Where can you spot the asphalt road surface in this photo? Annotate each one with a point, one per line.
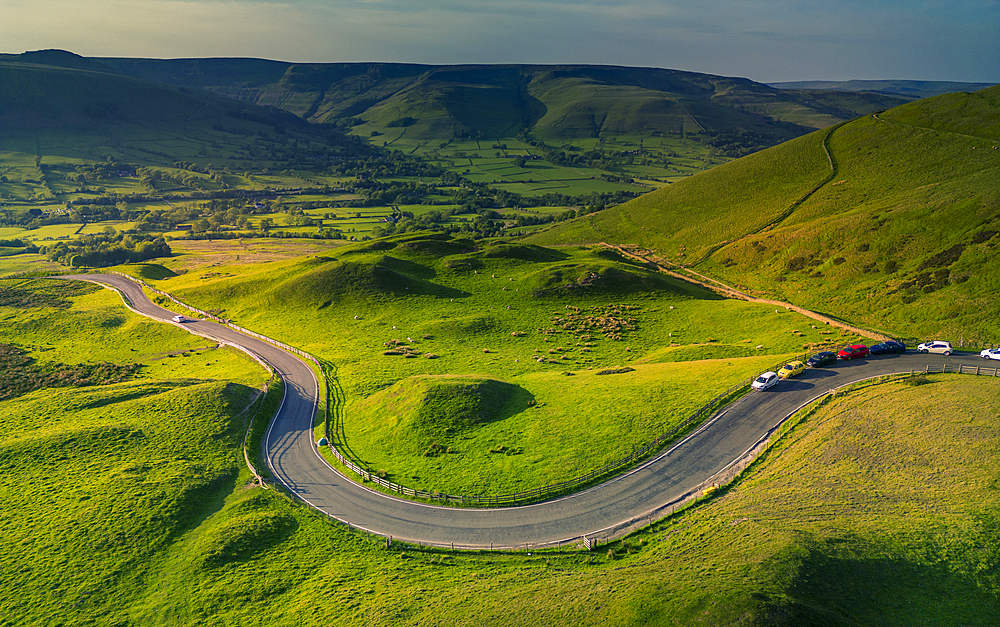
(293, 459)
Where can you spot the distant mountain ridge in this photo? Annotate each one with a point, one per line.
(495, 101)
(914, 90)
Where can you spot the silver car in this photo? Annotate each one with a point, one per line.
(765, 381)
(936, 346)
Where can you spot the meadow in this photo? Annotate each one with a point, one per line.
(99, 480)
(473, 365)
(135, 508)
(422, 329)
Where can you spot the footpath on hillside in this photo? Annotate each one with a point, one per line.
(659, 264)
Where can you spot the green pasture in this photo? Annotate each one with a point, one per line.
(100, 480)
(505, 313)
(53, 232)
(126, 504)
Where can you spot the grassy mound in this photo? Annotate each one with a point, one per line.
(569, 280)
(435, 410)
(437, 246)
(243, 536)
(152, 271)
(325, 281)
(521, 252)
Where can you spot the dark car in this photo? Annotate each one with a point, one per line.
(889, 346)
(822, 359)
(854, 351)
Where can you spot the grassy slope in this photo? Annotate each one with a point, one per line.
(463, 303)
(894, 527)
(99, 481)
(908, 185)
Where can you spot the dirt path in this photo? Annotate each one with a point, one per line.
(662, 265)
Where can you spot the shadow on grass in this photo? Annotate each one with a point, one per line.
(851, 581)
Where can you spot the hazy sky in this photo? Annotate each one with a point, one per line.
(764, 40)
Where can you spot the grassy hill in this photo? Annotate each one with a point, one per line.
(890, 219)
(502, 101)
(51, 91)
(480, 368)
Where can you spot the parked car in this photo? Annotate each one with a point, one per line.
(889, 346)
(180, 318)
(854, 351)
(936, 346)
(990, 353)
(765, 381)
(822, 359)
(791, 369)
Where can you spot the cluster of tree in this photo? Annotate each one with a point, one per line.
(110, 248)
(487, 223)
(27, 246)
(383, 164)
(739, 143)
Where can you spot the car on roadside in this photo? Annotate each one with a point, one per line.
(935, 346)
(180, 318)
(990, 353)
(889, 346)
(764, 381)
(791, 369)
(822, 359)
(854, 351)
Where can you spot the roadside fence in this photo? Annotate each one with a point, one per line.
(548, 491)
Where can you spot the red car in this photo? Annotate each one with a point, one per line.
(854, 351)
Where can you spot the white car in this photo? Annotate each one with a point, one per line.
(937, 346)
(180, 318)
(764, 381)
(990, 353)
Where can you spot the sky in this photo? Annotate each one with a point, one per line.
(763, 40)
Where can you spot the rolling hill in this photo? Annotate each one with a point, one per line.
(497, 101)
(891, 219)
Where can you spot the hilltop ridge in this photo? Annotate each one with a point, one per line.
(870, 219)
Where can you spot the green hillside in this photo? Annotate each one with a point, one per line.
(889, 220)
(502, 101)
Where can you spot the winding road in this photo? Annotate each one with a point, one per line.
(640, 493)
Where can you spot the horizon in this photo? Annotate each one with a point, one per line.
(461, 64)
(836, 41)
